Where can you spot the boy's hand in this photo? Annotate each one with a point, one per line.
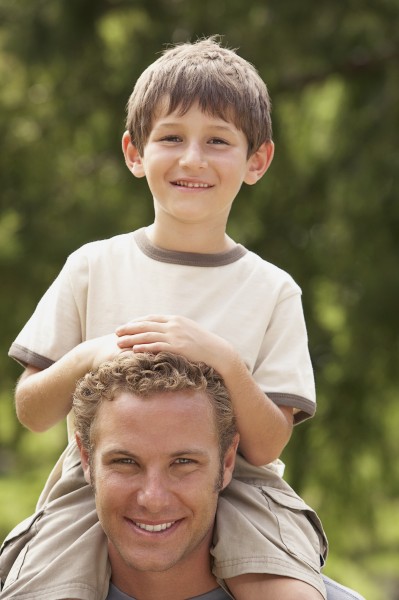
(100, 349)
(264, 427)
(180, 335)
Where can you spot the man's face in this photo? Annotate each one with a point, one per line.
(156, 474)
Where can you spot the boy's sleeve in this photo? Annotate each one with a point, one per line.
(284, 369)
(57, 325)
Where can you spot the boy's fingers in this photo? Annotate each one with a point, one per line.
(142, 324)
(146, 337)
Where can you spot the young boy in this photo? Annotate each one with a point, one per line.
(198, 127)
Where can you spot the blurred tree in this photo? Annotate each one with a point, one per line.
(327, 212)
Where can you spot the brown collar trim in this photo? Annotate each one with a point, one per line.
(189, 259)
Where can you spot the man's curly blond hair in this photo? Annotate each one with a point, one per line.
(145, 375)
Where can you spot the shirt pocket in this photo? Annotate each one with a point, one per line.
(300, 528)
(15, 546)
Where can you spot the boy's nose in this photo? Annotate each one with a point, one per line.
(154, 495)
(193, 157)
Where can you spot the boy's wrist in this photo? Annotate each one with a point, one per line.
(228, 362)
(83, 357)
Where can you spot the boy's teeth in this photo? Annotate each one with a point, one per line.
(160, 527)
(191, 184)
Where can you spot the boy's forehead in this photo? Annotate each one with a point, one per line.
(165, 108)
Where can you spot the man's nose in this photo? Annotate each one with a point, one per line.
(193, 156)
(154, 493)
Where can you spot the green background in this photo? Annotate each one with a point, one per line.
(327, 211)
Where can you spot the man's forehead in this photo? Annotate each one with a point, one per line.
(175, 417)
(163, 400)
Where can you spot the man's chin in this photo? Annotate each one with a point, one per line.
(144, 564)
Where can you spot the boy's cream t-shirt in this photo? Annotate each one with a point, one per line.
(246, 300)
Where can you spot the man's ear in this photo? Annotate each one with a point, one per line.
(132, 157)
(230, 461)
(259, 162)
(84, 459)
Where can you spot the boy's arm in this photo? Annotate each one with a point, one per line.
(264, 427)
(44, 397)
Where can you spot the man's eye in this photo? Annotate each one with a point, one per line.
(124, 461)
(184, 461)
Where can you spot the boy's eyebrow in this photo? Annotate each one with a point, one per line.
(172, 125)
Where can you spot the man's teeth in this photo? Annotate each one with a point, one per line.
(160, 527)
(191, 184)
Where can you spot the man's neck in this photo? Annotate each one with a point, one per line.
(175, 584)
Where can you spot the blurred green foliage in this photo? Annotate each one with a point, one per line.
(327, 211)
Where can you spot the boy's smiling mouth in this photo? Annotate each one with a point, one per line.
(191, 184)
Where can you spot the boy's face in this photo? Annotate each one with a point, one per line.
(195, 165)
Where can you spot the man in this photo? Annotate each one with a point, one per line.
(158, 443)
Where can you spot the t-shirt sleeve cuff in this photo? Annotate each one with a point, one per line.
(27, 357)
(305, 409)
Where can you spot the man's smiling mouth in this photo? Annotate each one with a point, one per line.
(156, 528)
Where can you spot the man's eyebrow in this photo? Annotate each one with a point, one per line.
(190, 452)
(176, 454)
(119, 451)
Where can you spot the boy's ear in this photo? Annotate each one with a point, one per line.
(259, 162)
(84, 459)
(229, 462)
(132, 156)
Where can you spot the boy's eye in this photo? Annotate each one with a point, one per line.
(217, 141)
(171, 138)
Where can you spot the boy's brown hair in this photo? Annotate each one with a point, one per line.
(224, 85)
